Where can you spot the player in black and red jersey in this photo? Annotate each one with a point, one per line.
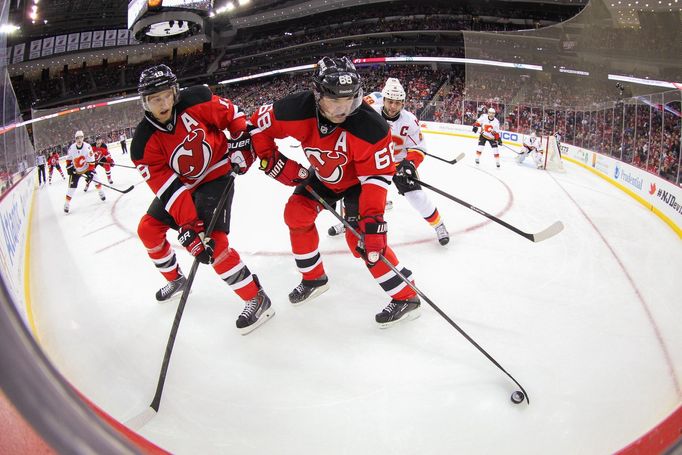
(102, 158)
(350, 150)
(181, 151)
(52, 164)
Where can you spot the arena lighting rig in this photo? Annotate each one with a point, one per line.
(159, 21)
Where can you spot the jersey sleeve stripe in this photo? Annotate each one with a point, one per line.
(170, 197)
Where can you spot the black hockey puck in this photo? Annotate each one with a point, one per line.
(517, 397)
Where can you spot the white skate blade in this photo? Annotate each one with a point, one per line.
(414, 314)
(316, 293)
(266, 316)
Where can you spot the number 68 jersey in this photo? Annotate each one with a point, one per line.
(359, 150)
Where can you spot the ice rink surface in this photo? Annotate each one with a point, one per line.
(588, 321)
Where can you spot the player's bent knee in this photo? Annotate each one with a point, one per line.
(150, 230)
(300, 212)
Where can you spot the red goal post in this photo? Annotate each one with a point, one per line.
(552, 154)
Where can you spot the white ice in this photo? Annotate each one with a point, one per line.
(588, 321)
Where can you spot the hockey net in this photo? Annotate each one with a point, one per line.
(552, 155)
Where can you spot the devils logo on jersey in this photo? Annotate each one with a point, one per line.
(190, 159)
(328, 165)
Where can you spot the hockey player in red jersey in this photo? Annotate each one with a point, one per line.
(80, 161)
(52, 164)
(182, 153)
(102, 158)
(349, 148)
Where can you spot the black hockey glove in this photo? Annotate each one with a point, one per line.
(404, 176)
(474, 129)
(499, 141)
(240, 153)
(192, 238)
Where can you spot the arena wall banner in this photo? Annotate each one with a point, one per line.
(15, 208)
(450, 129)
(656, 194)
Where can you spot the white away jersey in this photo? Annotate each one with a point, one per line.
(405, 130)
(532, 143)
(81, 157)
(490, 129)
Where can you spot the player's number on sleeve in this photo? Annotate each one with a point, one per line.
(382, 158)
(264, 121)
(144, 171)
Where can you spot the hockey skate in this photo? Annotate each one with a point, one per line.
(257, 311)
(171, 290)
(477, 161)
(337, 229)
(442, 234)
(308, 290)
(389, 205)
(102, 196)
(66, 207)
(87, 185)
(398, 310)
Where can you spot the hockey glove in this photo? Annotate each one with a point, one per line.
(474, 129)
(374, 230)
(499, 141)
(284, 170)
(406, 172)
(192, 238)
(240, 153)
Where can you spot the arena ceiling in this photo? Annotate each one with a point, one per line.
(68, 16)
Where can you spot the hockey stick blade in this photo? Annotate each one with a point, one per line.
(459, 158)
(127, 190)
(549, 232)
(141, 419)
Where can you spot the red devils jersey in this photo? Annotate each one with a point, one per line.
(357, 151)
(101, 153)
(190, 150)
(53, 160)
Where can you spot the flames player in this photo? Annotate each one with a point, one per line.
(409, 147)
(181, 151)
(80, 161)
(351, 153)
(52, 164)
(102, 158)
(490, 132)
(531, 146)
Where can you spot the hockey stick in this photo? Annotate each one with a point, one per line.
(509, 148)
(141, 419)
(459, 158)
(122, 165)
(546, 233)
(127, 190)
(416, 289)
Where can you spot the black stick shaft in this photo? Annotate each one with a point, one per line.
(183, 300)
(417, 290)
(476, 209)
(127, 190)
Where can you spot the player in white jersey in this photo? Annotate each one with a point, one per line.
(532, 145)
(408, 153)
(490, 132)
(80, 161)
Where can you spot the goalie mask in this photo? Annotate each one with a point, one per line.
(337, 87)
(154, 80)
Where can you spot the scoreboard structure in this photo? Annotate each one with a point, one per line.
(167, 20)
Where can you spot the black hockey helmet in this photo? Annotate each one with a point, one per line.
(338, 78)
(156, 79)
